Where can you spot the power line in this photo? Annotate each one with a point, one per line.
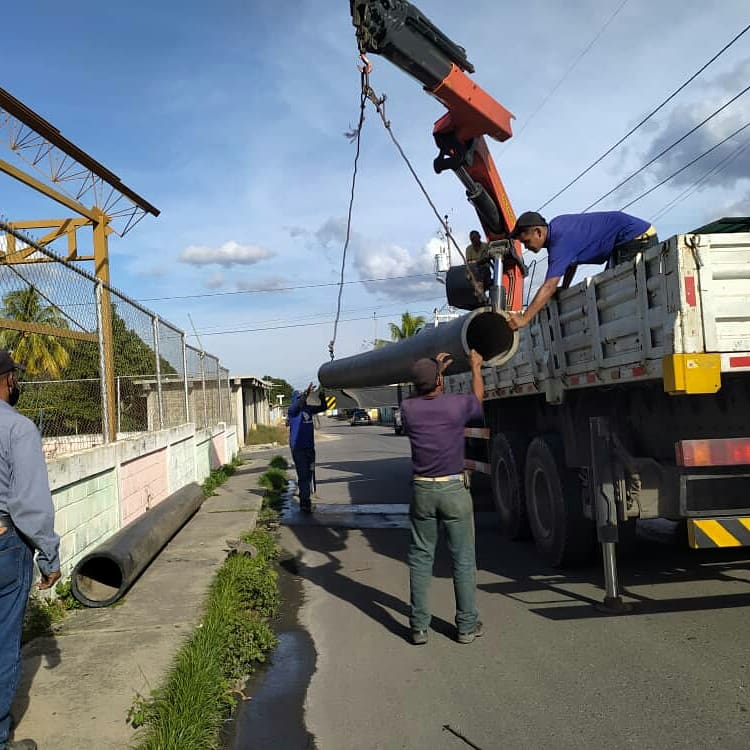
(295, 325)
(645, 119)
(689, 164)
(667, 149)
(286, 288)
(369, 308)
(570, 69)
(697, 183)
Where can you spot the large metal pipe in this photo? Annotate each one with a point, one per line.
(101, 577)
(485, 331)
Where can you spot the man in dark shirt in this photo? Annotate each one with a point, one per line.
(573, 239)
(302, 442)
(434, 422)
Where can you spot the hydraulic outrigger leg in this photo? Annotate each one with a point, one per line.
(605, 503)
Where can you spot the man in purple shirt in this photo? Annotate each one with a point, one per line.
(434, 422)
(573, 239)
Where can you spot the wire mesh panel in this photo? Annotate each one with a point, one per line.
(211, 366)
(56, 320)
(198, 402)
(172, 371)
(48, 323)
(134, 354)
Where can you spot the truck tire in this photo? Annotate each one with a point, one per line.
(554, 505)
(507, 457)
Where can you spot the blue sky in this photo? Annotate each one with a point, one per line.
(230, 118)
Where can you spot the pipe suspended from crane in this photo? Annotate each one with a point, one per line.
(485, 331)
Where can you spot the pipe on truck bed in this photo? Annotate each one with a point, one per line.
(101, 577)
(483, 330)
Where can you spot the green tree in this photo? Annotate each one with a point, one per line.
(280, 386)
(43, 355)
(410, 325)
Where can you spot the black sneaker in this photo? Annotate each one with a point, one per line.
(306, 507)
(470, 635)
(419, 637)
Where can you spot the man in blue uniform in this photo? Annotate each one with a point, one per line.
(302, 441)
(27, 520)
(573, 239)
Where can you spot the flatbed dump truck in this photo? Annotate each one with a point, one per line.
(628, 398)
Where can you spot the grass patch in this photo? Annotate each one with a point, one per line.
(279, 462)
(234, 635)
(217, 477)
(267, 434)
(43, 612)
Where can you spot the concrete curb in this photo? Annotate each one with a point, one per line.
(78, 685)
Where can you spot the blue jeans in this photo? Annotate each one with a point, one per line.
(16, 566)
(448, 503)
(304, 463)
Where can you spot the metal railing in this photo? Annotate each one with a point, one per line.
(99, 366)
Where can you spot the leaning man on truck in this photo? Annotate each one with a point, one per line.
(574, 239)
(27, 521)
(434, 422)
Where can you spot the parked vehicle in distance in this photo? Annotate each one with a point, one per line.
(360, 416)
(398, 426)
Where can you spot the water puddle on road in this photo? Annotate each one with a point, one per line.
(274, 714)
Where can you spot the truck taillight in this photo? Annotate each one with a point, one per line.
(713, 452)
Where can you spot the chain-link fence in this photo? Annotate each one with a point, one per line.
(99, 366)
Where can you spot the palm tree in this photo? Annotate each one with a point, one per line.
(41, 354)
(410, 325)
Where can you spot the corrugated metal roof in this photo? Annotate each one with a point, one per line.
(726, 225)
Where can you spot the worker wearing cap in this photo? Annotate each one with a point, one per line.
(302, 442)
(574, 239)
(27, 520)
(435, 422)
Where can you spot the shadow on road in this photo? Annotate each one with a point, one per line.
(331, 576)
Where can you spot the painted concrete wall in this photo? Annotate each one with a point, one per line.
(98, 491)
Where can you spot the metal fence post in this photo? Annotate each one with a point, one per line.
(119, 406)
(159, 393)
(203, 384)
(103, 379)
(218, 384)
(185, 373)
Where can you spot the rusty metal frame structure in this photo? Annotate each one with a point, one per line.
(78, 182)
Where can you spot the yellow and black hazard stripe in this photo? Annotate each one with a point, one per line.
(719, 532)
(330, 402)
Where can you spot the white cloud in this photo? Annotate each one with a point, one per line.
(215, 280)
(268, 284)
(229, 254)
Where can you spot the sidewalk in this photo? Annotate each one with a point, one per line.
(78, 685)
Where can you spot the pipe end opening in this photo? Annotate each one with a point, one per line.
(97, 581)
(489, 334)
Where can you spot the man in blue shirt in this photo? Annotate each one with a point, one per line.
(27, 519)
(302, 441)
(573, 239)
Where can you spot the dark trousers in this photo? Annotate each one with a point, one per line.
(304, 463)
(448, 504)
(628, 250)
(16, 567)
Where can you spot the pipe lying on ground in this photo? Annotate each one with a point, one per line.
(101, 577)
(485, 331)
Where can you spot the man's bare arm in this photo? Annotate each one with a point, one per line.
(541, 298)
(477, 383)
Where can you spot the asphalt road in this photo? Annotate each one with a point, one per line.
(551, 672)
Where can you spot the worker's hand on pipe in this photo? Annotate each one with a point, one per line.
(444, 360)
(517, 320)
(475, 359)
(49, 580)
(308, 390)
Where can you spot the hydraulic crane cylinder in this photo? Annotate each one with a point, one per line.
(485, 331)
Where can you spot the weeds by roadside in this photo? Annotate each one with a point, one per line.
(43, 612)
(234, 635)
(267, 434)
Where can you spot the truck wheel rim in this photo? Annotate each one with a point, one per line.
(543, 506)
